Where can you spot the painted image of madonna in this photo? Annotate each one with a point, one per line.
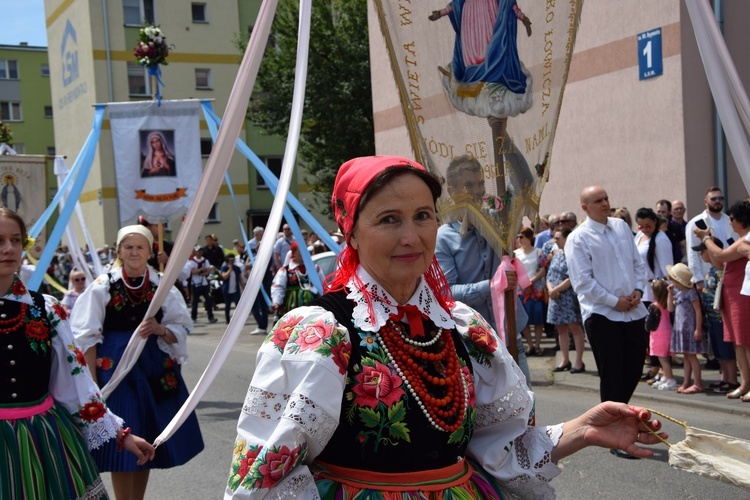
(157, 157)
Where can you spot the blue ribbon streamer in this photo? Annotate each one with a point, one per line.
(83, 162)
(213, 123)
(273, 182)
(155, 71)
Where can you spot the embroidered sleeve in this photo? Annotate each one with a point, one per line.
(71, 384)
(516, 454)
(87, 317)
(177, 319)
(291, 408)
(278, 288)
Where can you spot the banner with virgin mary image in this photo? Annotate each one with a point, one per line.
(23, 189)
(481, 84)
(157, 157)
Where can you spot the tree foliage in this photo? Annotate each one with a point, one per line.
(337, 122)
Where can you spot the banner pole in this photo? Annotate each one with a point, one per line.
(160, 232)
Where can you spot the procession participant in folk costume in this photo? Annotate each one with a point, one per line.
(387, 388)
(291, 286)
(106, 315)
(51, 412)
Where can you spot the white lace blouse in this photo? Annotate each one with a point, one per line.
(293, 404)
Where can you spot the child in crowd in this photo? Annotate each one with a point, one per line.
(687, 333)
(661, 338)
(78, 282)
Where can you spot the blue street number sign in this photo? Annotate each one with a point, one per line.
(649, 54)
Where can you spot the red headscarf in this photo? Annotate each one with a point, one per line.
(352, 181)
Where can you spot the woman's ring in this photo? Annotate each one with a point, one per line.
(638, 437)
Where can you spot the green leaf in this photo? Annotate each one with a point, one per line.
(456, 436)
(396, 413)
(399, 431)
(369, 417)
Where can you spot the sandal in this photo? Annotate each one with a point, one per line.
(725, 387)
(745, 398)
(735, 394)
(694, 389)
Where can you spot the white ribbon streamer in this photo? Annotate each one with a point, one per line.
(728, 93)
(74, 248)
(213, 176)
(274, 220)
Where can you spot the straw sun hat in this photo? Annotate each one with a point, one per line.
(681, 274)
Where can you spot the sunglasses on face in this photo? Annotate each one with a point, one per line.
(79, 279)
(716, 198)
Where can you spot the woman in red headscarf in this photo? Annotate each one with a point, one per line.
(387, 388)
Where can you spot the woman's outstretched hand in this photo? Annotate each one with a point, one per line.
(610, 425)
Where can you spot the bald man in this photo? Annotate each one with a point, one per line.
(609, 275)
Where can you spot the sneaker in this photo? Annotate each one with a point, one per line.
(668, 385)
(654, 383)
(213, 320)
(258, 331)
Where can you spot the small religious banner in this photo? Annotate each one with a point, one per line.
(481, 84)
(157, 157)
(23, 188)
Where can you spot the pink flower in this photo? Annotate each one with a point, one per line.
(284, 330)
(481, 335)
(466, 373)
(498, 204)
(376, 384)
(314, 335)
(277, 465)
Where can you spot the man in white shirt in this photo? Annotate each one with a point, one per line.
(282, 247)
(718, 222)
(609, 275)
(199, 267)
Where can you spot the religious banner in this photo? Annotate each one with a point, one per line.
(157, 157)
(481, 84)
(23, 188)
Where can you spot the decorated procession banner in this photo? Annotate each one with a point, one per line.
(157, 157)
(483, 81)
(23, 188)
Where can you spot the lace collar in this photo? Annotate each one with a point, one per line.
(383, 304)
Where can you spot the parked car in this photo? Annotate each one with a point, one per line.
(326, 261)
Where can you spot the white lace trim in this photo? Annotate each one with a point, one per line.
(264, 404)
(299, 484)
(384, 304)
(99, 432)
(512, 404)
(318, 424)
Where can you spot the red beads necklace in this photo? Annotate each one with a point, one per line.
(136, 294)
(12, 324)
(412, 361)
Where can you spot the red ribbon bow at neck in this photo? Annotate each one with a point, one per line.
(414, 317)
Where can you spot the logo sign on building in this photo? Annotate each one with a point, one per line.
(650, 62)
(70, 71)
(157, 157)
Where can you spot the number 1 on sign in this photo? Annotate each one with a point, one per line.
(647, 53)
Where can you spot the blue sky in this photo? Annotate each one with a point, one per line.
(23, 21)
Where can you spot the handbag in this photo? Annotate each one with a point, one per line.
(653, 318)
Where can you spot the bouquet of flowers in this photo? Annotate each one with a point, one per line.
(6, 135)
(151, 49)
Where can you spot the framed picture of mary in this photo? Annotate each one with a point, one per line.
(157, 153)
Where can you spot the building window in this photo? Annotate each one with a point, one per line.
(45, 69)
(202, 79)
(51, 150)
(199, 12)
(272, 163)
(213, 214)
(138, 81)
(135, 12)
(48, 111)
(206, 147)
(8, 70)
(10, 111)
